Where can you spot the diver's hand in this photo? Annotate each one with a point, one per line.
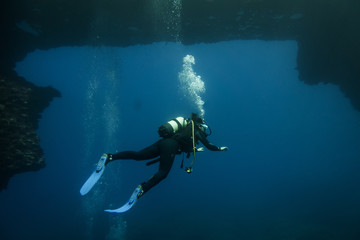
(200, 149)
(224, 148)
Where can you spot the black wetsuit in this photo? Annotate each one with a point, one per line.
(166, 149)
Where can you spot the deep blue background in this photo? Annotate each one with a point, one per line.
(291, 171)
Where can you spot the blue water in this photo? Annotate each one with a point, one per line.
(291, 171)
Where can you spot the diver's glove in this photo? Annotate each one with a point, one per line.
(200, 149)
(223, 148)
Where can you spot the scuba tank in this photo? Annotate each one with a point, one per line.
(173, 126)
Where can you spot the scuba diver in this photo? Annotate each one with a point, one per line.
(179, 135)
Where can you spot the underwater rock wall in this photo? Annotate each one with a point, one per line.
(329, 49)
(21, 104)
(325, 30)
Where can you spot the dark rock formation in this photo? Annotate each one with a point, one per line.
(21, 104)
(329, 50)
(326, 30)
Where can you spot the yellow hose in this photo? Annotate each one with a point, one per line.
(194, 147)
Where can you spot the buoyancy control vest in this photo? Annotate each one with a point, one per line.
(181, 129)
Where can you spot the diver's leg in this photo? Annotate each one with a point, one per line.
(147, 153)
(168, 149)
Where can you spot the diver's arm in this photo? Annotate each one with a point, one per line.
(208, 144)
